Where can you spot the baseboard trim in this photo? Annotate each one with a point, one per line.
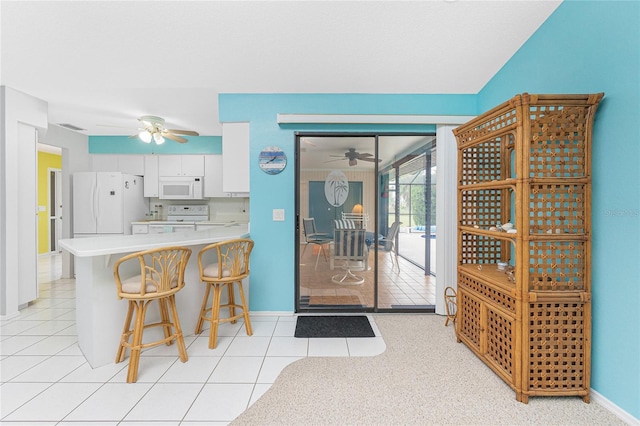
(271, 313)
(613, 408)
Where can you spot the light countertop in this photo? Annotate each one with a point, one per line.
(184, 222)
(103, 245)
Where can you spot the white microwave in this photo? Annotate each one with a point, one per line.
(181, 188)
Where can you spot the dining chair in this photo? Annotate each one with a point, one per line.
(159, 275)
(312, 236)
(227, 269)
(349, 251)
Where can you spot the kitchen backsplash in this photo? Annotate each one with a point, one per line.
(220, 209)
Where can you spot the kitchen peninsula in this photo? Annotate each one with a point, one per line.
(100, 315)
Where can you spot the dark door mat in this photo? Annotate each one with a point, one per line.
(333, 326)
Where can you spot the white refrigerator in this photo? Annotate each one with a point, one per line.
(105, 203)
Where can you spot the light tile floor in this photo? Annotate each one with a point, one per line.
(45, 379)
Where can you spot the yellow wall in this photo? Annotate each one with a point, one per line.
(45, 161)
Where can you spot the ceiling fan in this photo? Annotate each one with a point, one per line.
(353, 156)
(154, 129)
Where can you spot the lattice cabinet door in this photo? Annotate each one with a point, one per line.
(470, 324)
(558, 348)
(501, 340)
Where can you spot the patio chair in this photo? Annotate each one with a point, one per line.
(388, 243)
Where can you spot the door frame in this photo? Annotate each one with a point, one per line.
(298, 135)
(55, 213)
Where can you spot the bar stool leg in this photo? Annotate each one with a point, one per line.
(164, 316)
(215, 316)
(231, 301)
(138, 328)
(247, 321)
(182, 349)
(203, 309)
(126, 331)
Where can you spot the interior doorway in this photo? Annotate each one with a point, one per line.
(55, 208)
(348, 224)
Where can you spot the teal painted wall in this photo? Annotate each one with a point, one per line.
(127, 145)
(589, 47)
(273, 257)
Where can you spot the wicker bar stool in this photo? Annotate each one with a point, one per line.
(160, 277)
(230, 267)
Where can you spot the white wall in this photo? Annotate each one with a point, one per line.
(446, 213)
(16, 107)
(75, 158)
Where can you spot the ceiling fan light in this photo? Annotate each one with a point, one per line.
(158, 138)
(353, 162)
(145, 136)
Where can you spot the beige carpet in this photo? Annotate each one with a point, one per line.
(424, 377)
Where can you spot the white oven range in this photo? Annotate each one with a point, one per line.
(180, 218)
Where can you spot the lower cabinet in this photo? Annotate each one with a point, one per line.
(139, 228)
(487, 324)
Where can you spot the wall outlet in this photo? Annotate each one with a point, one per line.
(278, 215)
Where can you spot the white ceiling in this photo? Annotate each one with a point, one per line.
(109, 62)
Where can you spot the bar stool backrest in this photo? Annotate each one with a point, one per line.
(160, 273)
(232, 262)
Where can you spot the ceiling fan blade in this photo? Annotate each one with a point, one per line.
(338, 156)
(183, 132)
(339, 159)
(365, 154)
(372, 160)
(173, 137)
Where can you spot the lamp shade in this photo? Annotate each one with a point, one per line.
(357, 209)
(158, 138)
(145, 136)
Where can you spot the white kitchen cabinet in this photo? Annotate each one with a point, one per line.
(131, 164)
(170, 165)
(137, 228)
(104, 163)
(124, 163)
(213, 180)
(192, 165)
(181, 165)
(213, 176)
(158, 228)
(151, 186)
(235, 156)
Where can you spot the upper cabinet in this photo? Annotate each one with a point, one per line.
(131, 164)
(181, 165)
(151, 186)
(213, 177)
(212, 167)
(235, 152)
(124, 163)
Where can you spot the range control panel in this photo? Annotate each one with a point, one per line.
(188, 210)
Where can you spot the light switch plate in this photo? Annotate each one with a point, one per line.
(278, 215)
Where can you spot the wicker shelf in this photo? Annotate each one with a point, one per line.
(528, 162)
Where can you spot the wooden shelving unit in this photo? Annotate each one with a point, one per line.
(528, 162)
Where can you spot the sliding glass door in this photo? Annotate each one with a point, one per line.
(364, 213)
